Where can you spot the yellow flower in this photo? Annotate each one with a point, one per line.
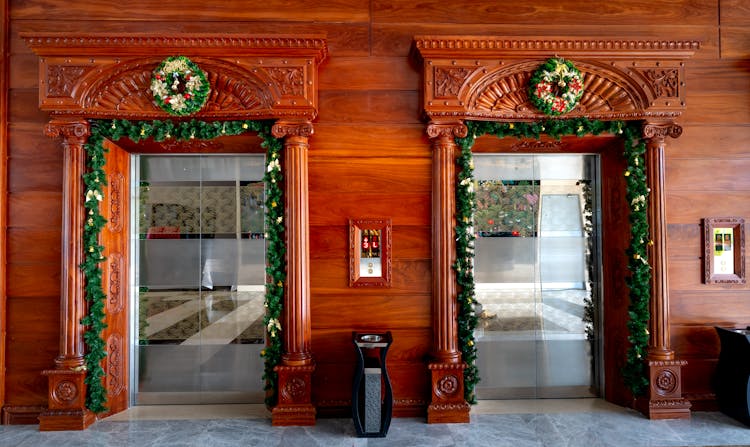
(273, 204)
(511, 126)
(244, 125)
(627, 173)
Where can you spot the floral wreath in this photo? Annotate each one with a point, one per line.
(556, 87)
(179, 86)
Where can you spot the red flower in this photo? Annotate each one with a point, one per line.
(187, 95)
(543, 88)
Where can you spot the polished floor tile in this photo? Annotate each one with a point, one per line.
(580, 423)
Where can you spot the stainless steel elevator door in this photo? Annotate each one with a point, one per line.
(198, 271)
(537, 273)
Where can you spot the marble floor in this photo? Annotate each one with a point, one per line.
(520, 423)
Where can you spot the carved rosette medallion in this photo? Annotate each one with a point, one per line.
(295, 389)
(65, 392)
(447, 386)
(666, 382)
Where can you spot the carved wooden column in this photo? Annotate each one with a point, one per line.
(294, 405)
(66, 390)
(665, 372)
(447, 403)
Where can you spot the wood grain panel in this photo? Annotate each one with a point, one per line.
(409, 242)
(713, 75)
(28, 142)
(370, 313)
(395, 39)
(33, 246)
(332, 383)
(343, 39)
(716, 108)
(695, 341)
(546, 11)
(335, 345)
(346, 142)
(684, 240)
(708, 175)
(721, 142)
(398, 107)
(735, 42)
(24, 71)
(41, 175)
(711, 305)
(691, 206)
(734, 12)
(373, 73)
(33, 339)
(33, 280)
(193, 10)
(368, 175)
(23, 105)
(409, 277)
(42, 210)
(687, 274)
(335, 208)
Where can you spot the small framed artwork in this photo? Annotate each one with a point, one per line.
(724, 250)
(369, 252)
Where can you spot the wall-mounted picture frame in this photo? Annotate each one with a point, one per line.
(370, 252)
(724, 250)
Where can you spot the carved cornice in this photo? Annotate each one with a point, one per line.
(486, 78)
(107, 76)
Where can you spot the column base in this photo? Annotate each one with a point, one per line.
(665, 399)
(294, 406)
(66, 401)
(448, 404)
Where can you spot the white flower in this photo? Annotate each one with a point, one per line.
(92, 194)
(274, 165)
(159, 88)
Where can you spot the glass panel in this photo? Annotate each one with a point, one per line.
(201, 256)
(536, 268)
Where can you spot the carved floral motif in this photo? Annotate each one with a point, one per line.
(65, 391)
(115, 302)
(666, 82)
(62, 78)
(116, 184)
(448, 80)
(115, 370)
(291, 81)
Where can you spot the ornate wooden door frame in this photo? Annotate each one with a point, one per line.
(486, 78)
(107, 76)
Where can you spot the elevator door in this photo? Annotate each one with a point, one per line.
(199, 279)
(537, 272)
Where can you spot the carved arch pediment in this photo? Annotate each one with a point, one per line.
(110, 76)
(488, 78)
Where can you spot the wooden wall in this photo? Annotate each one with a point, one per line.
(370, 158)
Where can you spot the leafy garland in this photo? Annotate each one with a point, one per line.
(634, 371)
(95, 180)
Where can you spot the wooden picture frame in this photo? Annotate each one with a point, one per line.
(724, 250)
(370, 252)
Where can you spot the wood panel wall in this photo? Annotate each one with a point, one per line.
(369, 157)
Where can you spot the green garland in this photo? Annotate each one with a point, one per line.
(95, 180)
(634, 371)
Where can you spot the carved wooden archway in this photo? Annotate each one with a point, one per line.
(82, 77)
(486, 78)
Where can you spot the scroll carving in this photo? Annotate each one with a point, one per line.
(115, 301)
(665, 82)
(447, 130)
(292, 129)
(77, 131)
(536, 146)
(448, 81)
(116, 184)
(661, 130)
(115, 370)
(62, 78)
(290, 81)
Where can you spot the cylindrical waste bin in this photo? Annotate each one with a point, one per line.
(372, 395)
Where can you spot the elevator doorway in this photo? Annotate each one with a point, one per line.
(538, 275)
(198, 279)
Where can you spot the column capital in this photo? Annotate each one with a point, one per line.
(291, 128)
(75, 129)
(451, 129)
(661, 130)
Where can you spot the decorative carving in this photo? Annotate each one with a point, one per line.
(294, 389)
(65, 392)
(661, 130)
(534, 145)
(447, 386)
(292, 129)
(115, 370)
(116, 184)
(291, 81)
(666, 82)
(115, 303)
(294, 406)
(462, 44)
(666, 382)
(448, 81)
(446, 130)
(61, 79)
(76, 131)
(172, 145)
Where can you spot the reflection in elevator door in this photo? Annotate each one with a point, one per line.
(199, 277)
(537, 273)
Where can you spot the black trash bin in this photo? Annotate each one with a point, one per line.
(372, 395)
(732, 379)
